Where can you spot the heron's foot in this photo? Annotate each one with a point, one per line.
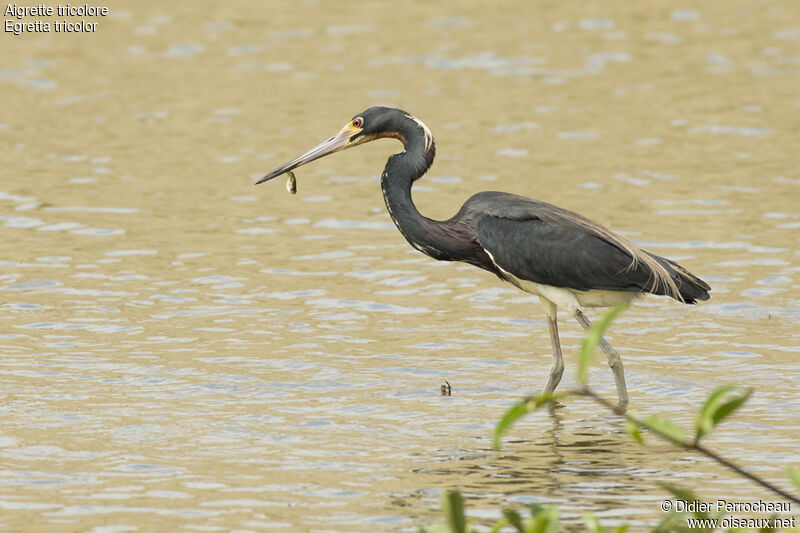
(619, 380)
(557, 368)
(556, 371)
(622, 406)
(614, 361)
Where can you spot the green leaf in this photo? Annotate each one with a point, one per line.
(770, 527)
(686, 495)
(514, 413)
(794, 475)
(729, 407)
(537, 508)
(520, 409)
(514, 519)
(679, 492)
(622, 529)
(633, 430)
(499, 525)
(665, 428)
(591, 340)
(593, 524)
(704, 421)
(714, 410)
(669, 523)
(544, 521)
(453, 506)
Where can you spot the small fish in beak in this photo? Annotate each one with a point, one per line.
(291, 182)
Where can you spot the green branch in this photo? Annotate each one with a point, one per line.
(679, 440)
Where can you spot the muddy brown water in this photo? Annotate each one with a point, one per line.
(184, 351)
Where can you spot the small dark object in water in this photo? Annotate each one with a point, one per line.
(446, 388)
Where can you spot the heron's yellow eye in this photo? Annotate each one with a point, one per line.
(357, 122)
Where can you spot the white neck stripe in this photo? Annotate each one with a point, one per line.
(425, 130)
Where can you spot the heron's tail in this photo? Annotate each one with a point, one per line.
(690, 287)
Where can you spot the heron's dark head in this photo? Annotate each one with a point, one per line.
(374, 123)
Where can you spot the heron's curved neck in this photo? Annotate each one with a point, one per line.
(401, 171)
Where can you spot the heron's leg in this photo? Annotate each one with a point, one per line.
(557, 369)
(614, 362)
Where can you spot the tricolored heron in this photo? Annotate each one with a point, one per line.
(565, 259)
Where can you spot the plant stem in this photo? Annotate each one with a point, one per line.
(752, 477)
(692, 446)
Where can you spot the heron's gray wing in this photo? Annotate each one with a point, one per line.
(542, 243)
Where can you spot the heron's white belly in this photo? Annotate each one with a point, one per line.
(571, 300)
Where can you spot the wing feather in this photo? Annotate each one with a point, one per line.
(540, 242)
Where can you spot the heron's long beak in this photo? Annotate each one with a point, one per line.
(338, 142)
